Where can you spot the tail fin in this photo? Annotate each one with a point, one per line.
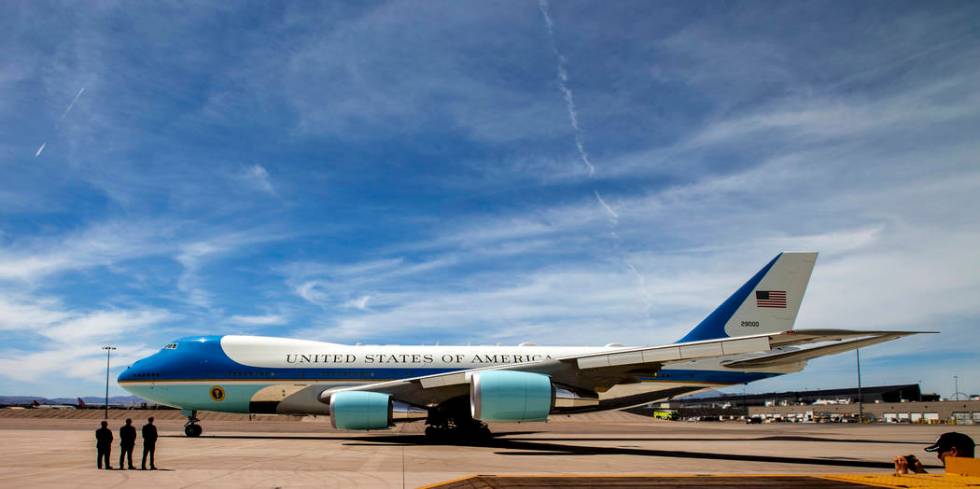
(767, 303)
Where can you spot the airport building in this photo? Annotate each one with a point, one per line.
(887, 404)
(884, 393)
(932, 412)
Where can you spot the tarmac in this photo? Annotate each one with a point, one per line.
(50, 448)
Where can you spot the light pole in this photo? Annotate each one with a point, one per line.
(956, 388)
(108, 351)
(860, 397)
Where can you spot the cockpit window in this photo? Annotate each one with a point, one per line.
(170, 346)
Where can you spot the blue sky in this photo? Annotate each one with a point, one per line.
(483, 172)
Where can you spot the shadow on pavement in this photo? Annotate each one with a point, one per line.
(537, 448)
(762, 438)
(550, 447)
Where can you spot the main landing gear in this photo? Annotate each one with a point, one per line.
(191, 428)
(452, 420)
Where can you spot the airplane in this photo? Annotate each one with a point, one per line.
(458, 389)
(35, 404)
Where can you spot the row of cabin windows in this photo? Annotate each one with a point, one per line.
(333, 374)
(337, 374)
(342, 374)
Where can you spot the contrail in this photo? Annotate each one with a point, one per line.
(612, 214)
(72, 104)
(641, 283)
(63, 115)
(563, 86)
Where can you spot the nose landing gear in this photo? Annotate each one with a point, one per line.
(191, 428)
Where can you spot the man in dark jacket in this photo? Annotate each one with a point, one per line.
(149, 443)
(103, 443)
(127, 440)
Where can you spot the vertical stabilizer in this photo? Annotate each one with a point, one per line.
(767, 303)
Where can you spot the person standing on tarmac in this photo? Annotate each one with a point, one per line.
(127, 440)
(149, 443)
(950, 444)
(103, 443)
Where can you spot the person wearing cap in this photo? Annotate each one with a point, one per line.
(950, 444)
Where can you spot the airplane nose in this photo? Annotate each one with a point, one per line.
(139, 370)
(128, 374)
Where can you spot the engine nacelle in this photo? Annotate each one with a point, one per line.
(506, 396)
(355, 410)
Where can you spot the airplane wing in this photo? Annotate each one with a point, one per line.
(600, 371)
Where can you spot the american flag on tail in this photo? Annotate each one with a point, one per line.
(771, 298)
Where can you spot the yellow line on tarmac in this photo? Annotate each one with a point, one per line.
(924, 481)
(906, 480)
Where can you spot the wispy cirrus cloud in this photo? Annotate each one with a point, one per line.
(443, 182)
(264, 320)
(258, 177)
(71, 337)
(31, 314)
(96, 245)
(106, 324)
(33, 366)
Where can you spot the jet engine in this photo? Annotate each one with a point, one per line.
(506, 396)
(356, 410)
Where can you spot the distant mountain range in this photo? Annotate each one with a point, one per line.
(91, 400)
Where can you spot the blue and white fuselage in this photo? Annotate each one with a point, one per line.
(253, 373)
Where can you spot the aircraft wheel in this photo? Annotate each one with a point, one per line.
(193, 430)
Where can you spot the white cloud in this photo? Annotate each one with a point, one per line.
(567, 305)
(880, 259)
(47, 317)
(360, 303)
(79, 363)
(312, 291)
(265, 320)
(69, 340)
(866, 154)
(838, 117)
(342, 286)
(837, 178)
(194, 255)
(362, 79)
(108, 324)
(100, 244)
(258, 177)
(29, 314)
